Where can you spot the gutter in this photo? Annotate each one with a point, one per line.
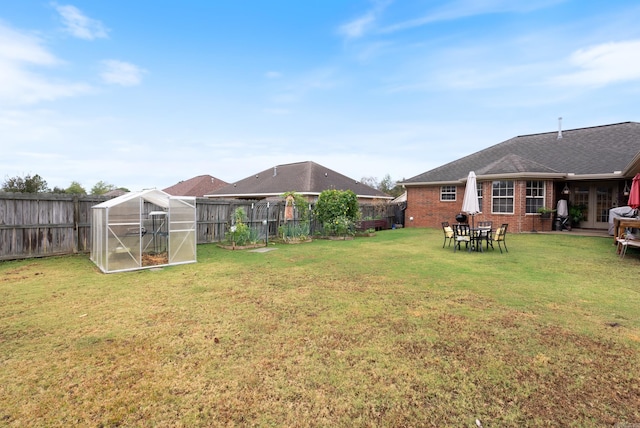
(528, 175)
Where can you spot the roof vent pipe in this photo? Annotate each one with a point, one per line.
(275, 171)
(559, 128)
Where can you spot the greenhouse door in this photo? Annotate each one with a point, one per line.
(182, 231)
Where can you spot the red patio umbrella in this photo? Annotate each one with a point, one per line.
(634, 193)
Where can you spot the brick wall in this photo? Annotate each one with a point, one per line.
(427, 210)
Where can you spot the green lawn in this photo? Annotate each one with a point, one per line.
(389, 331)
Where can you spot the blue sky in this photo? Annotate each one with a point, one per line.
(145, 93)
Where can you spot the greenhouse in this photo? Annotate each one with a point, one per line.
(144, 229)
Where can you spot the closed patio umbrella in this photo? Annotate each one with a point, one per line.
(470, 202)
(634, 193)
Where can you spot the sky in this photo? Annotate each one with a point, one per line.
(147, 93)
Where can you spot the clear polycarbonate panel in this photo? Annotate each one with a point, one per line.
(98, 232)
(182, 230)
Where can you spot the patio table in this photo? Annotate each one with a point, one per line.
(477, 236)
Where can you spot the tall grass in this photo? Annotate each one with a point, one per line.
(390, 331)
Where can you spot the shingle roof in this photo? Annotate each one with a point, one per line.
(306, 178)
(196, 186)
(585, 151)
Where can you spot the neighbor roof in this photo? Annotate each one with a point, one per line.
(306, 178)
(586, 153)
(196, 186)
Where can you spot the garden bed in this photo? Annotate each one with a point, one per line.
(336, 238)
(241, 247)
(379, 224)
(294, 240)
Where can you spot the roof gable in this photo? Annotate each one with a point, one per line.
(513, 164)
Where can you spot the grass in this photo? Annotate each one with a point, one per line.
(386, 331)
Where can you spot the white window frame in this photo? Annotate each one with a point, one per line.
(504, 193)
(536, 193)
(448, 191)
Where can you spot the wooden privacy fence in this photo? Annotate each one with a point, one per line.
(38, 225)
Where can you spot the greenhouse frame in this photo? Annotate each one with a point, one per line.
(141, 230)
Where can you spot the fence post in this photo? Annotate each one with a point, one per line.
(76, 221)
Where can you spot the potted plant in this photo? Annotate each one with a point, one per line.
(545, 212)
(576, 214)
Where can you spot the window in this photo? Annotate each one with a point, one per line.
(480, 197)
(535, 196)
(502, 197)
(448, 193)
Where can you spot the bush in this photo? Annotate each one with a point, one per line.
(337, 211)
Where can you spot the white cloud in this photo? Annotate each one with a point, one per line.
(20, 47)
(20, 85)
(79, 25)
(604, 64)
(466, 8)
(357, 27)
(121, 73)
(363, 24)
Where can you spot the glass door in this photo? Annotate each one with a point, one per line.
(581, 199)
(603, 203)
(597, 198)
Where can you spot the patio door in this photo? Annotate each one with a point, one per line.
(598, 198)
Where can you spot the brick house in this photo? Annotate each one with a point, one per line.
(591, 168)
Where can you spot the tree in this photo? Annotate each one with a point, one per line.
(387, 185)
(58, 190)
(75, 189)
(100, 188)
(391, 187)
(26, 184)
(370, 181)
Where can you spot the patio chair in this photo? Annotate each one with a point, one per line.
(500, 237)
(461, 233)
(485, 229)
(448, 233)
(626, 241)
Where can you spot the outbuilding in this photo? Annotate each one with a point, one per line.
(143, 229)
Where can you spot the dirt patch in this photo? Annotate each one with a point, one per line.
(149, 259)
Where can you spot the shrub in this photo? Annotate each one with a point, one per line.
(337, 211)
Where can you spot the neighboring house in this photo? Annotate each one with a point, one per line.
(196, 186)
(306, 178)
(589, 167)
(115, 193)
